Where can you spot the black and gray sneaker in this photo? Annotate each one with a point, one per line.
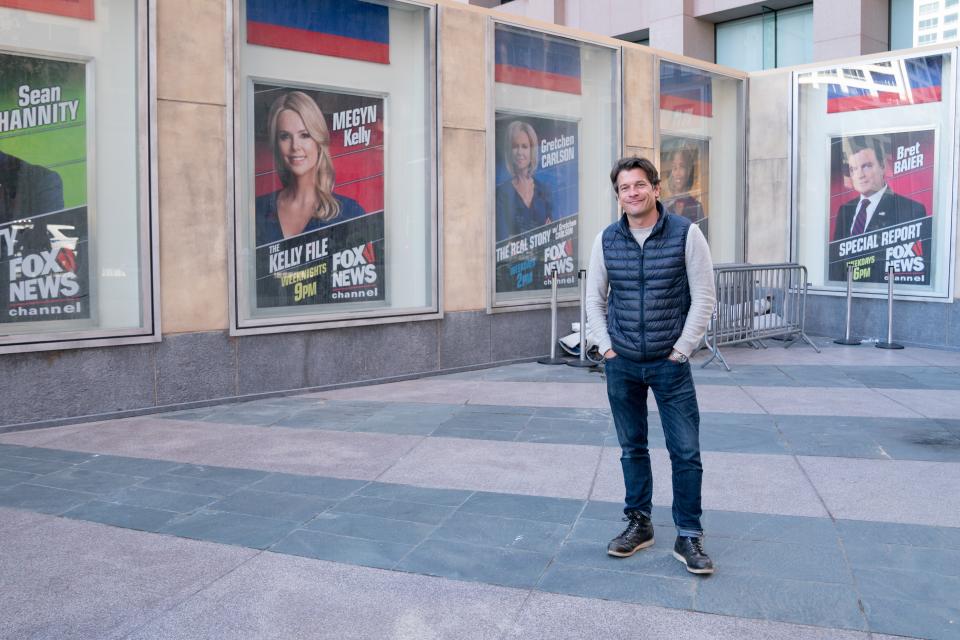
(638, 535)
(690, 552)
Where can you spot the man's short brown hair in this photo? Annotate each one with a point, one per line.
(631, 163)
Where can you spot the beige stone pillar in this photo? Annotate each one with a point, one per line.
(463, 83)
(192, 215)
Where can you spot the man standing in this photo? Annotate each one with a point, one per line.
(877, 206)
(656, 267)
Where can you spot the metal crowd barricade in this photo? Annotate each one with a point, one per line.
(757, 301)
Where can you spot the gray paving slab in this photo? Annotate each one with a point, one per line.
(512, 533)
(276, 597)
(314, 452)
(30, 465)
(231, 475)
(42, 499)
(77, 479)
(940, 403)
(387, 491)
(657, 560)
(862, 532)
(564, 471)
(909, 617)
(367, 527)
(481, 563)
(828, 401)
(230, 528)
(923, 587)
(772, 484)
(10, 478)
(175, 501)
(82, 580)
(384, 554)
(539, 508)
(549, 616)
(195, 486)
(676, 593)
(321, 487)
(799, 562)
(279, 506)
(141, 467)
(937, 564)
(766, 598)
(121, 515)
(887, 490)
(395, 509)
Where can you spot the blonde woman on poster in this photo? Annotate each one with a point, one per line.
(301, 150)
(523, 202)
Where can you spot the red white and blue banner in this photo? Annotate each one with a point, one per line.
(686, 90)
(82, 9)
(886, 84)
(351, 29)
(537, 60)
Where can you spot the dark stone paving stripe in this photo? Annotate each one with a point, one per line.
(843, 376)
(926, 439)
(783, 568)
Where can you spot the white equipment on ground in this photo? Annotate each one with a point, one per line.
(571, 344)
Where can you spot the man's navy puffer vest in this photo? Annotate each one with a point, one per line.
(649, 293)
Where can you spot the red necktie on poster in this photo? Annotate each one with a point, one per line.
(860, 221)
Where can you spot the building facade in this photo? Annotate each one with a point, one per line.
(213, 199)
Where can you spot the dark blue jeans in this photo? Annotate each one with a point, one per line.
(672, 386)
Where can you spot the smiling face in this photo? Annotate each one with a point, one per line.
(679, 172)
(300, 152)
(521, 151)
(866, 172)
(637, 197)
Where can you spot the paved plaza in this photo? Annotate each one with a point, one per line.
(479, 505)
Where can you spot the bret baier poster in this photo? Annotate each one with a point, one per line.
(537, 202)
(319, 209)
(881, 207)
(44, 233)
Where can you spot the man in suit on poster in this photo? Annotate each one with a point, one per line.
(877, 206)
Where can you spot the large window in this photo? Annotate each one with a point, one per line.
(875, 175)
(921, 22)
(555, 138)
(336, 209)
(701, 153)
(75, 254)
(771, 39)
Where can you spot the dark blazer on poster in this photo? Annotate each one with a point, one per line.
(268, 222)
(514, 216)
(893, 209)
(27, 189)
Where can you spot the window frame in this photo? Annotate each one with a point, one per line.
(149, 330)
(571, 296)
(235, 144)
(953, 118)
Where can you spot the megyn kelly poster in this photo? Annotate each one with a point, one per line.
(319, 211)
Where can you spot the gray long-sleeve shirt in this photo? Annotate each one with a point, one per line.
(703, 297)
